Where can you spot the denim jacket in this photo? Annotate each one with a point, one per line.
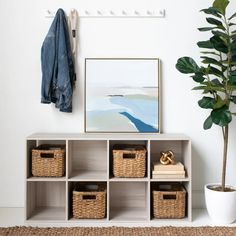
(58, 73)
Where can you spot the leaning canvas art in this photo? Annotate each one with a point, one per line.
(122, 95)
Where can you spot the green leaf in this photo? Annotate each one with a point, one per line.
(213, 21)
(201, 87)
(231, 24)
(233, 48)
(232, 79)
(233, 36)
(212, 11)
(205, 44)
(221, 116)
(208, 123)
(233, 54)
(209, 60)
(209, 88)
(220, 34)
(233, 99)
(233, 72)
(198, 77)
(206, 28)
(232, 87)
(203, 70)
(207, 102)
(231, 17)
(221, 5)
(212, 53)
(233, 63)
(219, 103)
(187, 65)
(219, 44)
(214, 71)
(216, 82)
(206, 91)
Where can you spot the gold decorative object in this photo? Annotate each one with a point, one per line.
(167, 158)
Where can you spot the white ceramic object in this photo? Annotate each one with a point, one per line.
(221, 206)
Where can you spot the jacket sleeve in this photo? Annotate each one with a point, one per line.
(47, 62)
(65, 69)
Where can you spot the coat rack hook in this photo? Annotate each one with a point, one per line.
(162, 12)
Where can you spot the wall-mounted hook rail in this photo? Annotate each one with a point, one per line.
(114, 14)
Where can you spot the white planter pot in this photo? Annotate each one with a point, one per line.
(221, 206)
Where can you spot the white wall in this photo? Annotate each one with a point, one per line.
(23, 28)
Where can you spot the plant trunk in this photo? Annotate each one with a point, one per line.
(225, 135)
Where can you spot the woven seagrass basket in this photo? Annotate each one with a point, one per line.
(169, 201)
(48, 161)
(129, 161)
(89, 201)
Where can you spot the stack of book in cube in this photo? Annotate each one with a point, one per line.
(173, 171)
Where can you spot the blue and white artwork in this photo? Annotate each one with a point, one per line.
(122, 95)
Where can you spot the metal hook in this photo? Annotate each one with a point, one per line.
(162, 12)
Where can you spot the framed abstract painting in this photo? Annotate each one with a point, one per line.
(122, 95)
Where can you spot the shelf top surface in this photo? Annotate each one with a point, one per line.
(106, 136)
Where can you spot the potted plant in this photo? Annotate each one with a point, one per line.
(216, 78)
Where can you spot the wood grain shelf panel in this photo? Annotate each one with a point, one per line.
(46, 179)
(85, 175)
(170, 180)
(48, 214)
(116, 179)
(128, 214)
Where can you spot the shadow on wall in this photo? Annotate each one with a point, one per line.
(198, 177)
(231, 163)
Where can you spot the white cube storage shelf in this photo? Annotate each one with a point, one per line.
(89, 160)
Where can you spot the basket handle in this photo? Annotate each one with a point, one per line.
(129, 155)
(46, 155)
(169, 196)
(89, 197)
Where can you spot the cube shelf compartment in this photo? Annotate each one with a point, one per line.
(181, 150)
(46, 201)
(89, 160)
(187, 203)
(34, 143)
(129, 201)
(71, 187)
(112, 143)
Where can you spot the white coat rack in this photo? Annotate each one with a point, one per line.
(114, 14)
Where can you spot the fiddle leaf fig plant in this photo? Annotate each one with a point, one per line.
(216, 76)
